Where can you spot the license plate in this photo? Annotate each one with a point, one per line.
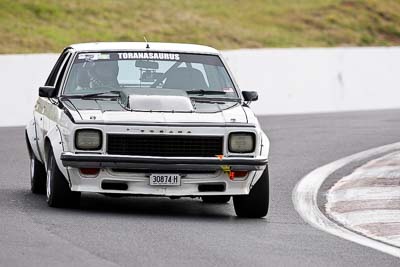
(165, 179)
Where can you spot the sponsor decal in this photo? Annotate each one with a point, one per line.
(148, 55)
(93, 56)
(226, 168)
(228, 90)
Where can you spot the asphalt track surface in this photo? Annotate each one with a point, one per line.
(138, 231)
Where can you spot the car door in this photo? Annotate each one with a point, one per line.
(42, 108)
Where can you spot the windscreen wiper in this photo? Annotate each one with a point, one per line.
(115, 92)
(215, 99)
(210, 99)
(205, 92)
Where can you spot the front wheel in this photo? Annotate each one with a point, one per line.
(255, 204)
(57, 188)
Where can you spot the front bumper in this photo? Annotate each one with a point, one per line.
(160, 163)
(137, 180)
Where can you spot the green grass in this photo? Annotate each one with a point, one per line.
(48, 26)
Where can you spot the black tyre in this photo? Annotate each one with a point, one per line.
(57, 188)
(255, 204)
(216, 199)
(38, 175)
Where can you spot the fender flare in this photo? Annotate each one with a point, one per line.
(31, 139)
(54, 140)
(264, 152)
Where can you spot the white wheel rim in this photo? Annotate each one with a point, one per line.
(48, 181)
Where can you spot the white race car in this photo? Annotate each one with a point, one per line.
(147, 119)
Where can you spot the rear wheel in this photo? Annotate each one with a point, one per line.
(255, 204)
(57, 188)
(38, 175)
(216, 199)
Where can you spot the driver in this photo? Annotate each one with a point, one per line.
(101, 74)
(82, 80)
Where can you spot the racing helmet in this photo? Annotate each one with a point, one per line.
(103, 73)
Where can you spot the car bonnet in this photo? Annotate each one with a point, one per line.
(111, 111)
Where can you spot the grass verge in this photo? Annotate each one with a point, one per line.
(28, 26)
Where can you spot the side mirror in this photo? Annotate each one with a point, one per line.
(250, 96)
(47, 91)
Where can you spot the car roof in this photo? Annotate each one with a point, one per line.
(142, 46)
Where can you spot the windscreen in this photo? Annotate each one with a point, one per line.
(102, 72)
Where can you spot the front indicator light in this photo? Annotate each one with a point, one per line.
(90, 171)
(237, 174)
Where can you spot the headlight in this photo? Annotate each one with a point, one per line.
(242, 142)
(88, 139)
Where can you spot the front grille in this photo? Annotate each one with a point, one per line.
(164, 145)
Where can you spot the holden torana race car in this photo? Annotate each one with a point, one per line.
(157, 119)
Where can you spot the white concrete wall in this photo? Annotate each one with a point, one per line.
(21, 76)
(319, 80)
(288, 80)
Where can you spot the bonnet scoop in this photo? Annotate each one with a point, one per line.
(161, 100)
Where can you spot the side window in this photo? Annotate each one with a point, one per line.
(62, 72)
(53, 74)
